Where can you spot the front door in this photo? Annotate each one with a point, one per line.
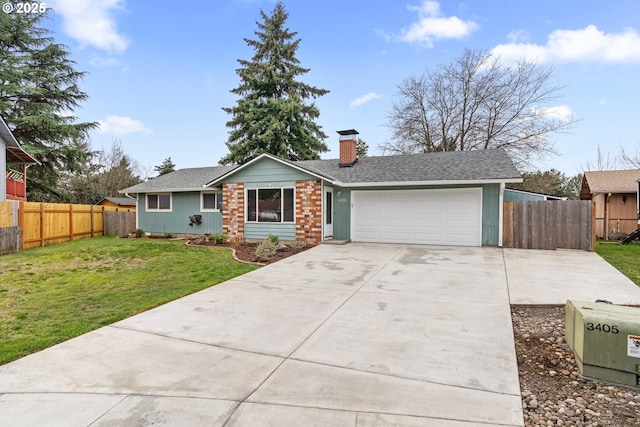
(328, 212)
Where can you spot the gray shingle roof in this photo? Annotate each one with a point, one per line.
(192, 179)
(476, 165)
(455, 166)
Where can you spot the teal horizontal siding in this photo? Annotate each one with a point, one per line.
(183, 205)
(517, 196)
(260, 230)
(267, 171)
(490, 214)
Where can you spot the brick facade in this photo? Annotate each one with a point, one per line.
(233, 211)
(309, 211)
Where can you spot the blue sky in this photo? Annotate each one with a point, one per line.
(159, 72)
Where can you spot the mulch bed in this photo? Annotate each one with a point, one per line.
(246, 251)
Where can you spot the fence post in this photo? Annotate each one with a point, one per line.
(21, 220)
(41, 224)
(93, 234)
(70, 222)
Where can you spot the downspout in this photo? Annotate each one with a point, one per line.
(606, 215)
(500, 214)
(638, 202)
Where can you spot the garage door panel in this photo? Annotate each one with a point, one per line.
(443, 217)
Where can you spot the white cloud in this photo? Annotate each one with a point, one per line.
(559, 112)
(91, 23)
(431, 25)
(363, 100)
(518, 36)
(107, 61)
(120, 126)
(602, 103)
(586, 45)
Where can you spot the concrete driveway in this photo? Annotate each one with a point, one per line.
(354, 335)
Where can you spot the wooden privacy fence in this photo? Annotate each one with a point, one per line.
(564, 224)
(10, 240)
(49, 223)
(118, 223)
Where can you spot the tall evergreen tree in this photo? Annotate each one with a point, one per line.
(271, 115)
(38, 94)
(166, 167)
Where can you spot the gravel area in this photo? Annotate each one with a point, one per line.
(553, 393)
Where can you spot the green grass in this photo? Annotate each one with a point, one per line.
(51, 294)
(626, 258)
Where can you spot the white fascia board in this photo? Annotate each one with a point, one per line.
(425, 183)
(164, 190)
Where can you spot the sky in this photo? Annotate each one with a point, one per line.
(160, 72)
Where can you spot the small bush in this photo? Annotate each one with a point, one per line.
(219, 239)
(273, 238)
(138, 232)
(297, 244)
(265, 250)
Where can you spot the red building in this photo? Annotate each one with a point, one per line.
(14, 186)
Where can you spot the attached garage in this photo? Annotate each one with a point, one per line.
(435, 217)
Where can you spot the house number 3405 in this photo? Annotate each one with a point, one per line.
(602, 327)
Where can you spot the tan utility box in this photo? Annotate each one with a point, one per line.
(605, 340)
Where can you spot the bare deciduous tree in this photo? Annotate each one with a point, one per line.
(631, 160)
(477, 102)
(604, 161)
(104, 173)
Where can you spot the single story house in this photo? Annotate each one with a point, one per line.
(14, 185)
(614, 192)
(118, 202)
(448, 198)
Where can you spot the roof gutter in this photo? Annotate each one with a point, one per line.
(423, 183)
(166, 190)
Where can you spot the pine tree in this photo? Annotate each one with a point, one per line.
(166, 167)
(38, 91)
(271, 115)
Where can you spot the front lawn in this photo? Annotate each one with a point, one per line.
(625, 258)
(51, 294)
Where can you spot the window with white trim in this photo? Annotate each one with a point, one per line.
(270, 205)
(159, 202)
(211, 202)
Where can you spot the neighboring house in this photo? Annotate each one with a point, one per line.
(14, 186)
(118, 202)
(614, 192)
(513, 195)
(449, 198)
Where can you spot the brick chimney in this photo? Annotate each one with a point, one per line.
(348, 154)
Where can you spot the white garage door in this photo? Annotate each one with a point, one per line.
(434, 217)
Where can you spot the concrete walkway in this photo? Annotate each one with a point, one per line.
(354, 335)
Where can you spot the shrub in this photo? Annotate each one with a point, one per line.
(296, 244)
(219, 238)
(273, 238)
(265, 250)
(138, 232)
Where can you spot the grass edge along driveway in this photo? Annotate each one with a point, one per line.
(625, 258)
(51, 294)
